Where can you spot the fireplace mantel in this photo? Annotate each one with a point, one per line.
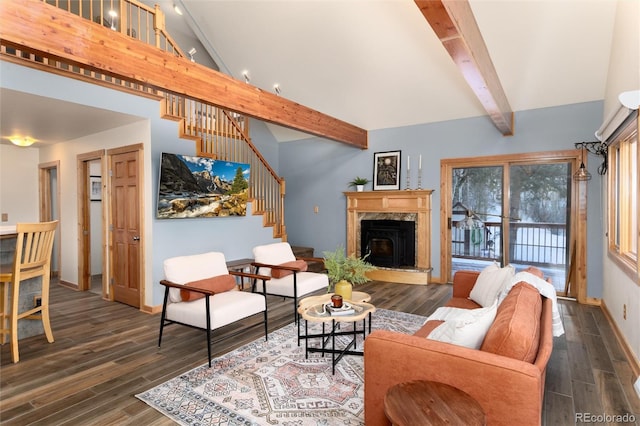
(413, 202)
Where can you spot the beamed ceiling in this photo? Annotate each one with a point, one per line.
(391, 63)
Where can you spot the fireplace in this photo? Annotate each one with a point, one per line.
(409, 205)
(390, 243)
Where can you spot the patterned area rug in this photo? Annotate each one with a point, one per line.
(272, 383)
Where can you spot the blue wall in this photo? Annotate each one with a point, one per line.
(235, 236)
(317, 171)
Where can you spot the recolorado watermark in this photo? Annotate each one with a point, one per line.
(605, 418)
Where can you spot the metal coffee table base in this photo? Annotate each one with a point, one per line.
(329, 339)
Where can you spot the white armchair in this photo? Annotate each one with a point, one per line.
(288, 273)
(200, 292)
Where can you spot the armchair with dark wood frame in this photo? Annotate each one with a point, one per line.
(213, 307)
(289, 276)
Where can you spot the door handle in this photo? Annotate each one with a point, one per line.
(136, 238)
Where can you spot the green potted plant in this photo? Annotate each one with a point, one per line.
(359, 183)
(345, 271)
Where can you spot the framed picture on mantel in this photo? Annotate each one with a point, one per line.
(386, 170)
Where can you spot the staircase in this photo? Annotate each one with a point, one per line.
(224, 135)
(218, 133)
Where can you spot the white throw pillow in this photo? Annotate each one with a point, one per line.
(490, 283)
(468, 329)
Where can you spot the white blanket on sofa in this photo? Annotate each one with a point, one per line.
(545, 288)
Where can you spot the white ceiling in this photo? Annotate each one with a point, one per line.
(378, 64)
(50, 121)
(373, 63)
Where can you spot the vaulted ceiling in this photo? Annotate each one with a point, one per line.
(379, 64)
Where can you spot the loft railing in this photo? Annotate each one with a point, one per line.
(137, 20)
(218, 133)
(225, 135)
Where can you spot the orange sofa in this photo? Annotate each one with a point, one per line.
(506, 375)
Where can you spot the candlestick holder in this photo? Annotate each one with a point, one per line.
(419, 178)
(408, 180)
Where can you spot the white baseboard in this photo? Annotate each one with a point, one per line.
(636, 386)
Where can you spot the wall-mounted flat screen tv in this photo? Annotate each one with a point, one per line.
(201, 187)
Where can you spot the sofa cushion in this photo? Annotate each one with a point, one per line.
(279, 273)
(466, 329)
(218, 284)
(515, 332)
(491, 281)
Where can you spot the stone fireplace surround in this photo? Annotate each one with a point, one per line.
(406, 205)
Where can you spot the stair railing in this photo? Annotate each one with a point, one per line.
(225, 135)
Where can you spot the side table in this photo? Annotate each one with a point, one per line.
(423, 402)
(239, 265)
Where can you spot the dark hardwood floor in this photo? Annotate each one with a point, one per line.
(105, 353)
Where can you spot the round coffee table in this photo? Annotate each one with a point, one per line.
(314, 309)
(423, 402)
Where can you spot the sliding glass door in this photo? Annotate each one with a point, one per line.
(540, 197)
(512, 212)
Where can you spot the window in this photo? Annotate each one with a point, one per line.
(623, 198)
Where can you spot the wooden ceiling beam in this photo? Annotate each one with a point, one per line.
(55, 32)
(457, 29)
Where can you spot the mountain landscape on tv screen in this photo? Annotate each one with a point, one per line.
(201, 187)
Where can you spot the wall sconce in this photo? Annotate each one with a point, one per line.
(596, 148)
(22, 141)
(192, 52)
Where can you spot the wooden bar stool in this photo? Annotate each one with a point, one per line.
(32, 259)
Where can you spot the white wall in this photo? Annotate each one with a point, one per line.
(19, 184)
(618, 288)
(67, 153)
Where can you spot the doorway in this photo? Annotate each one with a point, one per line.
(521, 210)
(49, 194)
(91, 223)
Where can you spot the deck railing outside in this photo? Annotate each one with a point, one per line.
(543, 245)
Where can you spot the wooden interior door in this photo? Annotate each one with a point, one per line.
(125, 228)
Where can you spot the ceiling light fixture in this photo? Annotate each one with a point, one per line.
(177, 9)
(245, 74)
(276, 88)
(192, 52)
(22, 141)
